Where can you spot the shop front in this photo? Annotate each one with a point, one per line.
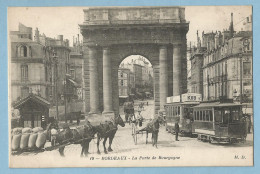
(34, 111)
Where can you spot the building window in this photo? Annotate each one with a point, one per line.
(246, 69)
(122, 82)
(72, 73)
(23, 51)
(24, 72)
(122, 75)
(24, 92)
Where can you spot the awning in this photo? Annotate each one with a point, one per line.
(74, 83)
(34, 98)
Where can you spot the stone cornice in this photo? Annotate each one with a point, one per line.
(27, 60)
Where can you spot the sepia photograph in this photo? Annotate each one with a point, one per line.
(130, 86)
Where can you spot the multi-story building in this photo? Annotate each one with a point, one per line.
(124, 82)
(221, 66)
(138, 76)
(76, 68)
(196, 75)
(31, 65)
(61, 65)
(38, 66)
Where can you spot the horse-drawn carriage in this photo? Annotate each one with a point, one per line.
(152, 126)
(128, 110)
(61, 135)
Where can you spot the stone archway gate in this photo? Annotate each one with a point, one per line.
(110, 34)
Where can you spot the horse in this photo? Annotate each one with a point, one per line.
(81, 135)
(153, 127)
(108, 130)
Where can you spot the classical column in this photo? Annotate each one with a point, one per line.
(107, 81)
(176, 69)
(93, 80)
(163, 76)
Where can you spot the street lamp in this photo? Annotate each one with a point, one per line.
(55, 58)
(241, 72)
(65, 99)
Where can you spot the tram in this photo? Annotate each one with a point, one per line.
(219, 122)
(180, 109)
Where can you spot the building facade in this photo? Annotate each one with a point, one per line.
(124, 83)
(221, 65)
(31, 65)
(60, 64)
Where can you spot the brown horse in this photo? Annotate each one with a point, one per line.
(153, 127)
(108, 130)
(81, 135)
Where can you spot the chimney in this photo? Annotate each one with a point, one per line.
(216, 40)
(60, 37)
(36, 36)
(231, 27)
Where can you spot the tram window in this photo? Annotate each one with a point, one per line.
(226, 115)
(207, 115)
(218, 117)
(234, 115)
(210, 116)
(201, 115)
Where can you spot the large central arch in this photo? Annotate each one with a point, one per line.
(111, 33)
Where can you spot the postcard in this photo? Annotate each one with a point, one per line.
(132, 86)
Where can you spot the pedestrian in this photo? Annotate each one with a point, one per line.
(147, 103)
(78, 121)
(177, 129)
(140, 119)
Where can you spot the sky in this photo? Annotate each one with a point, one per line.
(53, 21)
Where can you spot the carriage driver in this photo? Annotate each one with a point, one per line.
(140, 119)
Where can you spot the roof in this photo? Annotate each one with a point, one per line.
(183, 103)
(34, 98)
(217, 104)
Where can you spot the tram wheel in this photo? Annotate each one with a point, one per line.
(199, 137)
(210, 140)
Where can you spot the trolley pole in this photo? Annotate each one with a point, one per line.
(65, 99)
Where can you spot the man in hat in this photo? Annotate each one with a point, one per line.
(177, 129)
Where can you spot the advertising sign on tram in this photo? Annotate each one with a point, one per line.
(191, 97)
(173, 99)
(188, 97)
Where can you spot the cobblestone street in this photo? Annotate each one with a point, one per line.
(123, 146)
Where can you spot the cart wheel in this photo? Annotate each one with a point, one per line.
(135, 138)
(134, 134)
